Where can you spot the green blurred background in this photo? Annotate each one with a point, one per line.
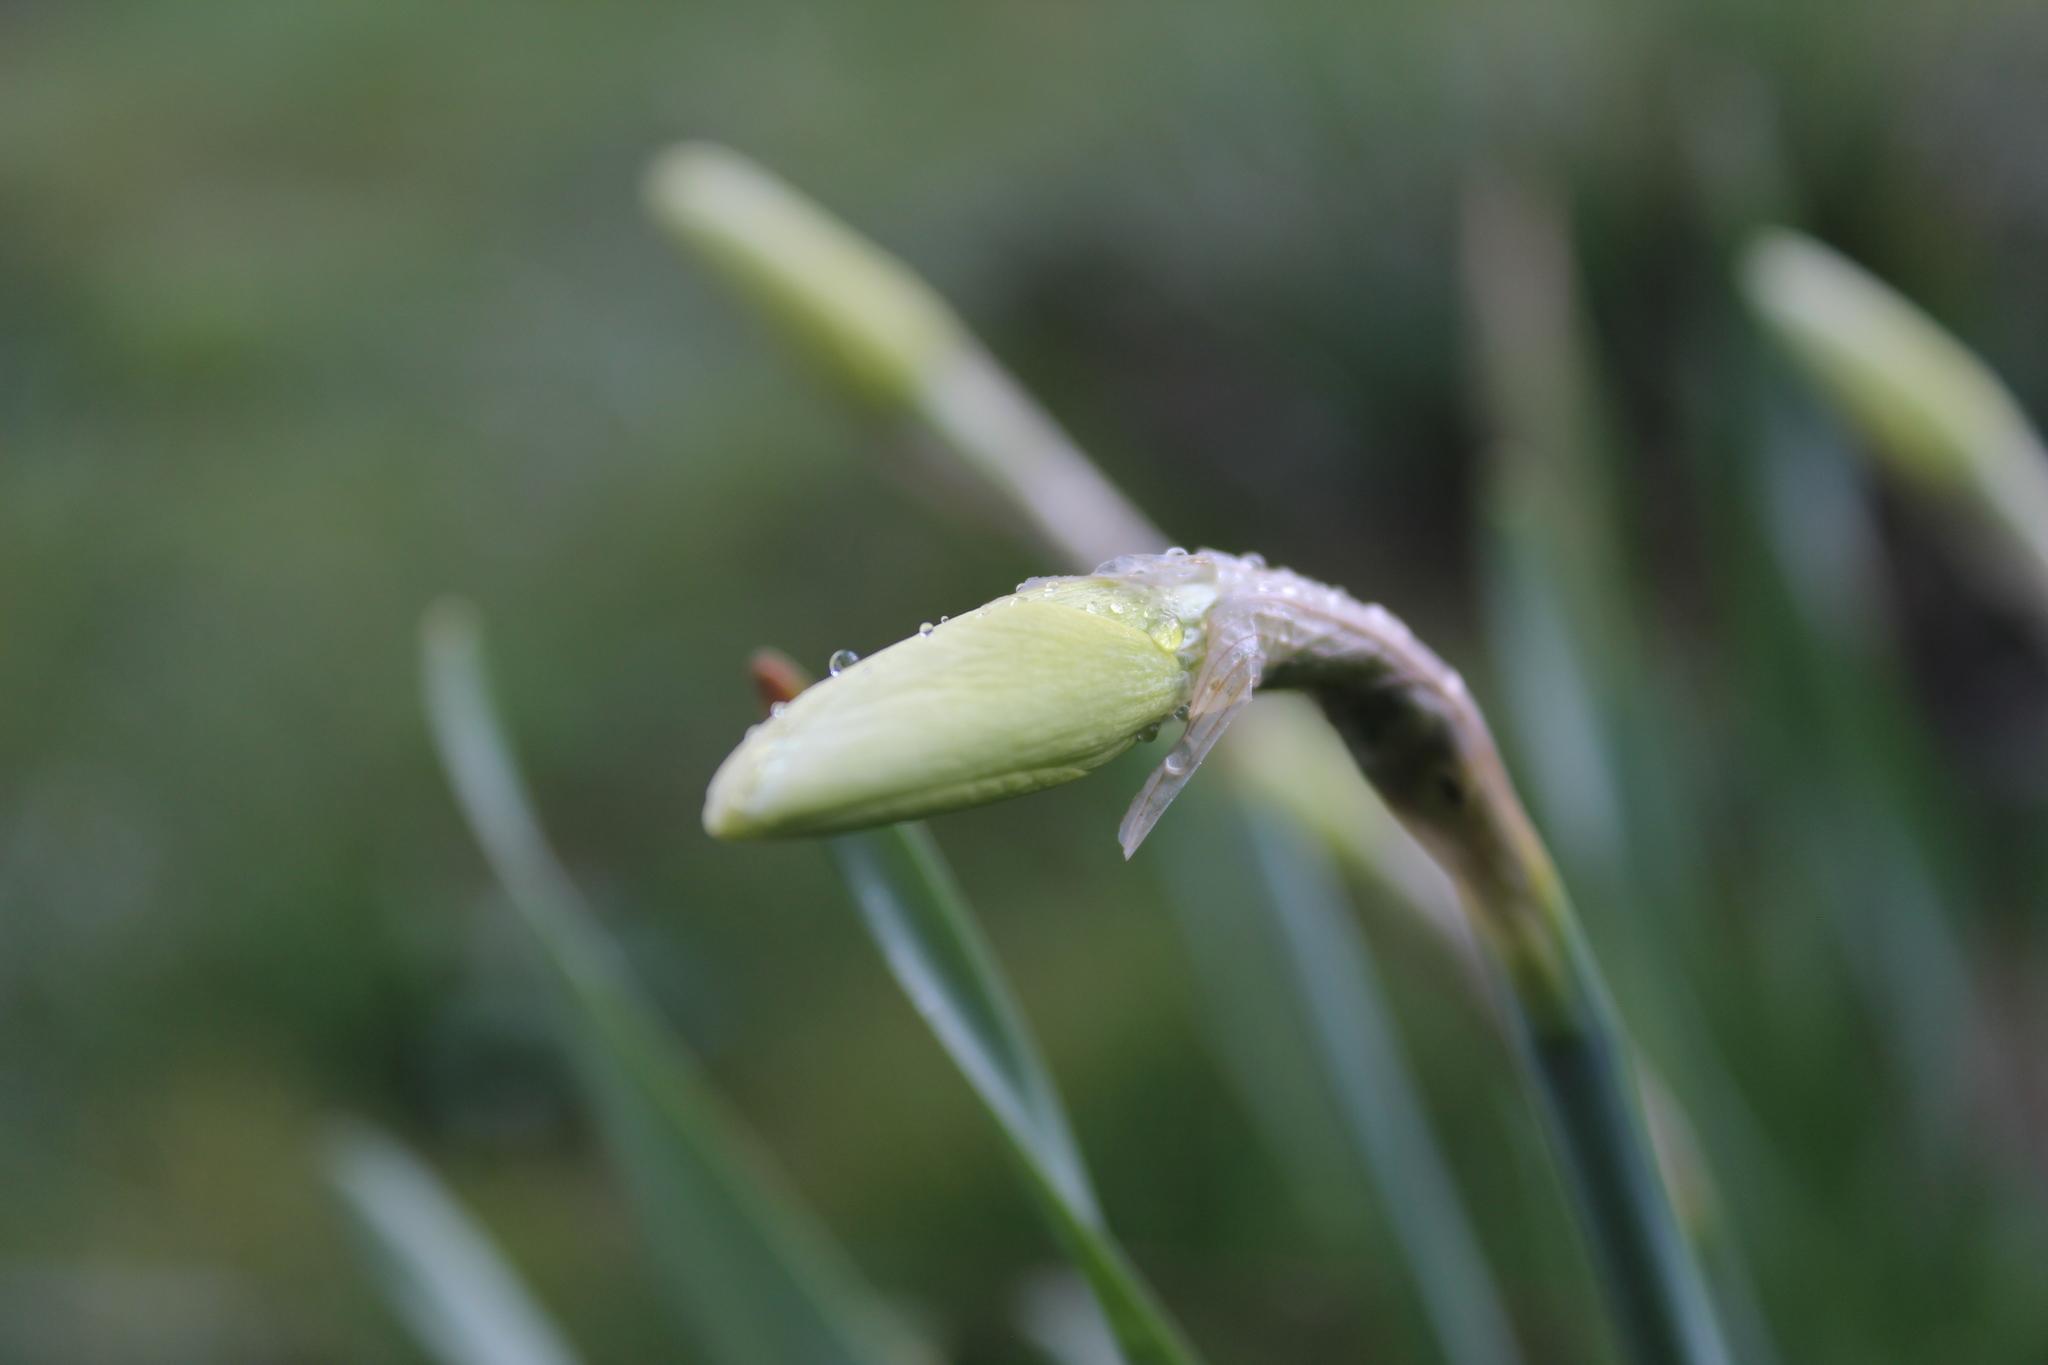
(311, 311)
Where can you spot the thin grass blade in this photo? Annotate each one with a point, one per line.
(920, 920)
(1273, 934)
(442, 1273)
(1592, 722)
(755, 1280)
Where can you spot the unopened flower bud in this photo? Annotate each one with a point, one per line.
(1045, 685)
(868, 316)
(1030, 691)
(1932, 408)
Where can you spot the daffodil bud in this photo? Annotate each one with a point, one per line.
(1933, 408)
(1027, 692)
(865, 314)
(1055, 680)
(1050, 683)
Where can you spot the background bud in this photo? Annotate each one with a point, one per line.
(1932, 408)
(877, 323)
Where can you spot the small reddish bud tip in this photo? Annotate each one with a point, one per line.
(777, 677)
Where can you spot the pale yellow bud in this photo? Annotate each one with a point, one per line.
(1931, 405)
(1932, 410)
(872, 319)
(1030, 691)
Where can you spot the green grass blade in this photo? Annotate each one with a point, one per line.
(439, 1268)
(1578, 679)
(1267, 919)
(1862, 749)
(1654, 1284)
(931, 942)
(754, 1278)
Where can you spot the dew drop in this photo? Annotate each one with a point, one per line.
(778, 708)
(944, 619)
(924, 628)
(1179, 761)
(1176, 553)
(1257, 561)
(841, 661)
(1181, 712)
(1117, 607)
(1149, 733)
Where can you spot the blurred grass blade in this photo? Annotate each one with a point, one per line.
(1594, 718)
(1932, 410)
(1056, 1312)
(1587, 1084)
(1873, 860)
(1704, 1215)
(439, 1269)
(1608, 778)
(1560, 586)
(1272, 933)
(1339, 987)
(929, 937)
(755, 1280)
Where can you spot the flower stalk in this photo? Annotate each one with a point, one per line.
(1405, 717)
(1413, 730)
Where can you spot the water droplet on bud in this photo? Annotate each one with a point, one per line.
(1181, 712)
(1257, 561)
(841, 661)
(924, 628)
(1149, 733)
(778, 708)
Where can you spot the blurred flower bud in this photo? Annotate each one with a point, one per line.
(1930, 405)
(1930, 408)
(874, 321)
(1030, 691)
